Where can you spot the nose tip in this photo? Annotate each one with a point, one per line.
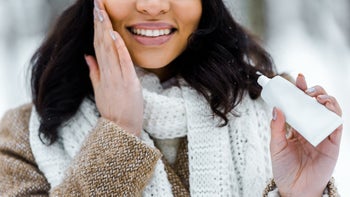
(153, 7)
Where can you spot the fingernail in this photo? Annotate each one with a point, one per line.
(100, 15)
(311, 90)
(112, 35)
(274, 114)
(86, 60)
(98, 11)
(96, 5)
(323, 96)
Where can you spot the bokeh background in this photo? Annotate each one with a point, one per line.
(309, 37)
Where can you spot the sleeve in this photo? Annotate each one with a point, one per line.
(272, 191)
(110, 162)
(18, 171)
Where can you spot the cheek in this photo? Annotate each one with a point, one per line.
(118, 11)
(189, 20)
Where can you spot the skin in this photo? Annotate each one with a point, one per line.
(116, 87)
(299, 168)
(136, 13)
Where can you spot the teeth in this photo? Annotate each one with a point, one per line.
(151, 33)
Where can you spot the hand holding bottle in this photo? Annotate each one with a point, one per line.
(299, 168)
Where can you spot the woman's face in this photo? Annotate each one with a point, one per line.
(154, 31)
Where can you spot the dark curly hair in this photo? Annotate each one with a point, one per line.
(220, 62)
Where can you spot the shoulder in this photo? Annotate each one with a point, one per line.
(14, 132)
(17, 118)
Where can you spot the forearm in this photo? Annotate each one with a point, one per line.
(110, 161)
(19, 174)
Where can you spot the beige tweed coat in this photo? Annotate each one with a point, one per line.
(93, 171)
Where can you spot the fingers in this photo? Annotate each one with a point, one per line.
(110, 45)
(330, 102)
(97, 6)
(315, 91)
(101, 17)
(320, 94)
(105, 48)
(322, 97)
(278, 133)
(301, 82)
(127, 66)
(335, 137)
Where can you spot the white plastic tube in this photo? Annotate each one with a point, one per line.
(310, 118)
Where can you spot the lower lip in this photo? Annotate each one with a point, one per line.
(152, 41)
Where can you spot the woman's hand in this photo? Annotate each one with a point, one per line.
(299, 168)
(118, 93)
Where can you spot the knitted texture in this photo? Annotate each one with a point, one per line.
(118, 172)
(164, 109)
(67, 146)
(110, 162)
(18, 172)
(231, 160)
(245, 141)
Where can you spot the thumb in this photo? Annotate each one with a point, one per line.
(278, 133)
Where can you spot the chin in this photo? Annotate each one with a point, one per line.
(153, 65)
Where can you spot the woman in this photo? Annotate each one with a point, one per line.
(156, 98)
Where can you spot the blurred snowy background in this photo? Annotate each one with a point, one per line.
(309, 37)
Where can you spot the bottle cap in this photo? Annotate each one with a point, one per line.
(263, 80)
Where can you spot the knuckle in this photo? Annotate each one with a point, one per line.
(92, 76)
(108, 48)
(97, 42)
(332, 99)
(134, 82)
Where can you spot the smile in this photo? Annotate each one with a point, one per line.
(151, 32)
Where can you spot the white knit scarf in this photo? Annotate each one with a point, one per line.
(169, 113)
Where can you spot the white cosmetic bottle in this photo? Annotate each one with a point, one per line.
(310, 118)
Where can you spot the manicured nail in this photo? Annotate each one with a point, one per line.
(323, 96)
(311, 90)
(111, 32)
(274, 114)
(100, 15)
(98, 11)
(301, 75)
(86, 60)
(96, 5)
